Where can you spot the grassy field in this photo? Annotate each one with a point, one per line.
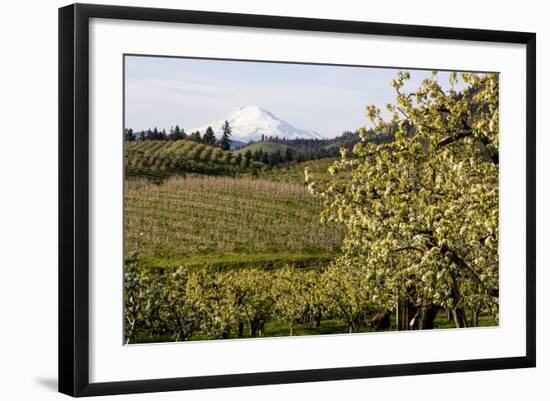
(225, 221)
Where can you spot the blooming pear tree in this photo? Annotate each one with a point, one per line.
(253, 297)
(213, 300)
(421, 213)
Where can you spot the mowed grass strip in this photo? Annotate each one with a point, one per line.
(229, 221)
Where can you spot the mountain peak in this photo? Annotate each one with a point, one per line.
(251, 122)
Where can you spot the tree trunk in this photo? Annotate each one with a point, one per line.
(405, 316)
(475, 317)
(458, 313)
(226, 333)
(397, 315)
(241, 329)
(424, 317)
(318, 320)
(459, 317)
(253, 329)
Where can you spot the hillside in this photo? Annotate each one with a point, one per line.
(224, 221)
(265, 146)
(294, 172)
(158, 160)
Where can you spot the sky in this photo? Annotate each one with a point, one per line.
(165, 91)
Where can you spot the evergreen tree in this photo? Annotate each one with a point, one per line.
(177, 134)
(225, 142)
(195, 136)
(209, 138)
(147, 135)
(129, 134)
(275, 158)
(289, 154)
(239, 158)
(258, 155)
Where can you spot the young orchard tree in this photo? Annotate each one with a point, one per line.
(253, 298)
(212, 298)
(421, 212)
(225, 142)
(180, 312)
(142, 304)
(135, 298)
(287, 288)
(314, 297)
(347, 294)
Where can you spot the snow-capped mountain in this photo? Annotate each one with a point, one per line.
(251, 122)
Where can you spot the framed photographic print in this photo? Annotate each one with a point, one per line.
(250, 199)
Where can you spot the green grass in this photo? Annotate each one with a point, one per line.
(276, 328)
(225, 221)
(279, 329)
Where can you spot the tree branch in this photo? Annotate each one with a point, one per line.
(484, 140)
(466, 268)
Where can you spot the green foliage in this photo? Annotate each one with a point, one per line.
(205, 303)
(225, 142)
(129, 135)
(214, 301)
(421, 213)
(347, 294)
(209, 138)
(253, 299)
(195, 137)
(177, 134)
(289, 291)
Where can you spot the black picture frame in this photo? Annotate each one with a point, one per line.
(74, 198)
